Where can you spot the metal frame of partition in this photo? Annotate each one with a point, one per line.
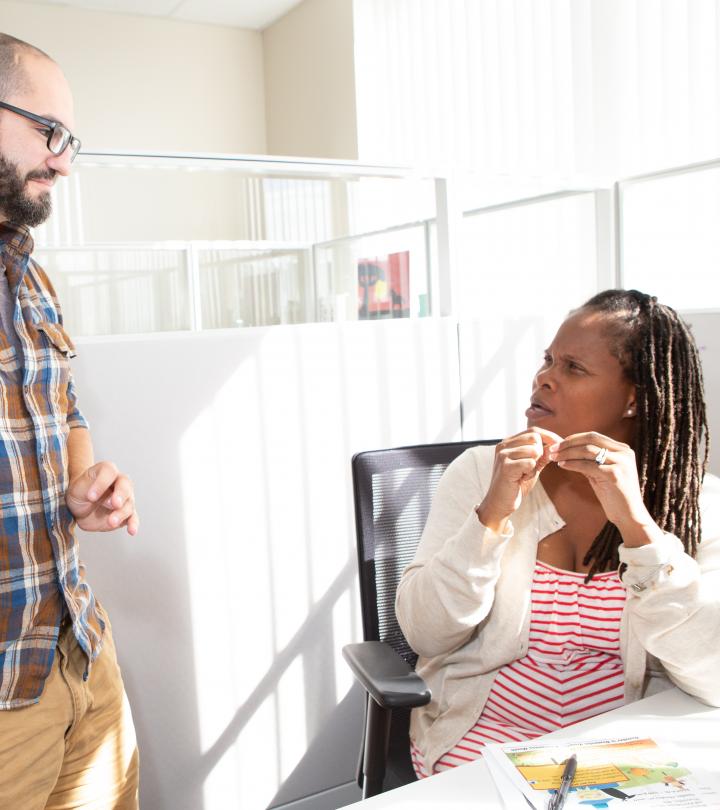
(249, 164)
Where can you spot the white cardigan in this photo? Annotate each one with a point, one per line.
(464, 603)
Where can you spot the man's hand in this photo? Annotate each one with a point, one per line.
(102, 499)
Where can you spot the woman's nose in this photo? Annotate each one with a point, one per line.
(545, 378)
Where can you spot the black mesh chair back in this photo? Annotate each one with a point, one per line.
(393, 492)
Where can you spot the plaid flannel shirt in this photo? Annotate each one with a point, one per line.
(41, 577)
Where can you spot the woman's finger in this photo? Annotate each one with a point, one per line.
(585, 452)
(532, 436)
(524, 451)
(590, 438)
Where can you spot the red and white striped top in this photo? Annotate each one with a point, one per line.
(572, 669)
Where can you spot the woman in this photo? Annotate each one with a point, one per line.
(574, 567)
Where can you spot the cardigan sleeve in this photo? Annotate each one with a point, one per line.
(448, 589)
(673, 602)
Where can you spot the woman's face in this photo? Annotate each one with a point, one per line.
(581, 386)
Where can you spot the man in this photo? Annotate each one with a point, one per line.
(66, 733)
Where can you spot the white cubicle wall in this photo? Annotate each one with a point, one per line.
(231, 605)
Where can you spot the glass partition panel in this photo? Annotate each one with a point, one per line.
(374, 204)
(671, 239)
(250, 242)
(117, 291)
(136, 198)
(380, 275)
(254, 287)
(529, 257)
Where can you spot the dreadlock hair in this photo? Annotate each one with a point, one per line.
(658, 354)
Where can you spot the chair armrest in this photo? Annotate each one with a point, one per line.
(388, 679)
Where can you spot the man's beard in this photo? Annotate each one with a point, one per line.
(15, 203)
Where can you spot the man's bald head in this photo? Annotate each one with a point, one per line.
(14, 79)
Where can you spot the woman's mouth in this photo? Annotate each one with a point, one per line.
(537, 411)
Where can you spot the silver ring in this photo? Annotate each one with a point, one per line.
(601, 456)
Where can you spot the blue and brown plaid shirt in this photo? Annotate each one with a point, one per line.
(41, 577)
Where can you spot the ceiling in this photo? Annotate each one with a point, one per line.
(255, 14)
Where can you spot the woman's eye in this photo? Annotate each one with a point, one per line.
(575, 367)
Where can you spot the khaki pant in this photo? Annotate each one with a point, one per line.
(76, 747)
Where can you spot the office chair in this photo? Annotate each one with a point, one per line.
(393, 490)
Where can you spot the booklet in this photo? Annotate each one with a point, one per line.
(609, 772)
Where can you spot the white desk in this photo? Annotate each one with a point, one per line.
(671, 716)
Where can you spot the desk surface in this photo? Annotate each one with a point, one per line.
(671, 717)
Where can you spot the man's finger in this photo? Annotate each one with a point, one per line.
(119, 516)
(101, 476)
(133, 524)
(79, 497)
(122, 492)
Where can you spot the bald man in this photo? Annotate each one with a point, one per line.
(66, 733)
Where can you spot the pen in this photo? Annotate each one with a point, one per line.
(558, 800)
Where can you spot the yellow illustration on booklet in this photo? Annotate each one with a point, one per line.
(609, 772)
(627, 764)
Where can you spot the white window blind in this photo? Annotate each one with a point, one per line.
(538, 87)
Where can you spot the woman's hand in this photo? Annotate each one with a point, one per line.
(614, 480)
(519, 461)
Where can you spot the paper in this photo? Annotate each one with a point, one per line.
(609, 772)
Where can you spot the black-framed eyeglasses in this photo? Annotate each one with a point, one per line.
(59, 136)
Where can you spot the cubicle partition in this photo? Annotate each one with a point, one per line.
(232, 604)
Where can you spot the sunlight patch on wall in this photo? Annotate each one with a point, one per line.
(254, 766)
(291, 708)
(343, 633)
(231, 592)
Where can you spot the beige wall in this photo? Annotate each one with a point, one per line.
(146, 83)
(310, 81)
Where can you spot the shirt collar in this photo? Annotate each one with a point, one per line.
(548, 517)
(17, 238)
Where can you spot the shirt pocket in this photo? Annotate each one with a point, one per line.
(53, 373)
(57, 335)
